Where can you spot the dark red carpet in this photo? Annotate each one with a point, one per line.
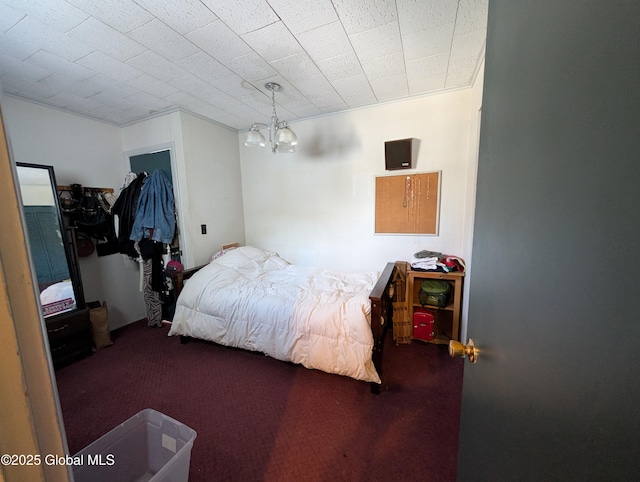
(259, 419)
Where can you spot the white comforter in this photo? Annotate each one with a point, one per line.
(255, 300)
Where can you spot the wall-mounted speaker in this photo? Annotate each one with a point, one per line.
(398, 154)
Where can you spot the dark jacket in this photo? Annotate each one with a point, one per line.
(125, 207)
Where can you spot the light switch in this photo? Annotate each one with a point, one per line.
(203, 228)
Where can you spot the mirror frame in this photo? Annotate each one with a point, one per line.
(71, 256)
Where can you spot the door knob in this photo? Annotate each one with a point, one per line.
(458, 349)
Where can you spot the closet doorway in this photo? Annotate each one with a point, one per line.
(162, 158)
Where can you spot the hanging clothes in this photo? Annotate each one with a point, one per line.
(155, 214)
(125, 208)
(148, 224)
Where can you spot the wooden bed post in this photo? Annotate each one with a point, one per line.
(178, 279)
(381, 317)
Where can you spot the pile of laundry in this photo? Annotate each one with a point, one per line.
(426, 260)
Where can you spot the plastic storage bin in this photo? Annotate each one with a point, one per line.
(149, 446)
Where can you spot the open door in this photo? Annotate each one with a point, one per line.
(554, 298)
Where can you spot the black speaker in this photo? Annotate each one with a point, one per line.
(398, 154)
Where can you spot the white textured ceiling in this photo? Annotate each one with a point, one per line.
(121, 61)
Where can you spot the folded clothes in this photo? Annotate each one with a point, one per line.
(438, 263)
(425, 263)
(455, 263)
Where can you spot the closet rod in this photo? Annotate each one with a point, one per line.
(102, 189)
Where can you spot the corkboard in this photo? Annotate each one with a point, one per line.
(408, 204)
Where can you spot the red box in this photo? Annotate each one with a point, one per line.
(423, 325)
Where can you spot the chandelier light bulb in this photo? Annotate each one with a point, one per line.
(255, 138)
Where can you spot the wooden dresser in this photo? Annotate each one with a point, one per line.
(69, 337)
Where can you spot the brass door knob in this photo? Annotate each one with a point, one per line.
(458, 349)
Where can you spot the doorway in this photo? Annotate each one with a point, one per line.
(162, 159)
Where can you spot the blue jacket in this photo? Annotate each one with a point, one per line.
(155, 216)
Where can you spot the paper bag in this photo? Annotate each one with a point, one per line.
(99, 324)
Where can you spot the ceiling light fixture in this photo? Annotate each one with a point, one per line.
(281, 138)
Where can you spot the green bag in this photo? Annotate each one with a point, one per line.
(434, 292)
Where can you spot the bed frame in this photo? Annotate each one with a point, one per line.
(381, 309)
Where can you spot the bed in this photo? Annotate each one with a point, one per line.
(253, 299)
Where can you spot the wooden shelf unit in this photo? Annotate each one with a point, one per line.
(447, 319)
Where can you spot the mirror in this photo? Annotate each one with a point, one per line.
(53, 256)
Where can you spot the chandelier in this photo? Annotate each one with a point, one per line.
(281, 138)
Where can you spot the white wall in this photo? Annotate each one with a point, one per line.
(316, 206)
(214, 186)
(89, 153)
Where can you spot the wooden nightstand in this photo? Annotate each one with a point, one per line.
(447, 319)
